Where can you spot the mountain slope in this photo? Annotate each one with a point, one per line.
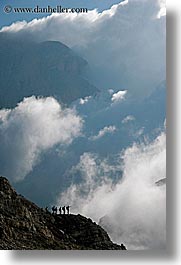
(42, 69)
(23, 225)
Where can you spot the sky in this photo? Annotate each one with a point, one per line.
(7, 19)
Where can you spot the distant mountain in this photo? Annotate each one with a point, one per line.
(23, 225)
(42, 69)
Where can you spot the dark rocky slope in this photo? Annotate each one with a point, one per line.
(23, 225)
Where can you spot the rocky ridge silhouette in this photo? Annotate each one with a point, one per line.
(23, 225)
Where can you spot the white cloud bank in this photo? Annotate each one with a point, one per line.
(133, 210)
(31, 128)
(124, 45)
(102, 132)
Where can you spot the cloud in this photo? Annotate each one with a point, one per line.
(102, 132)
(162, 12)
(118, 96)
(44, 23)
(124, 45)
(32, 128)
(84, 100)
(94, 172)
(128, 119)
(132, 209)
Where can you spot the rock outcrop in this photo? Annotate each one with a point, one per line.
(23, 225)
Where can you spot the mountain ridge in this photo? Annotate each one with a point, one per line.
(23, 225)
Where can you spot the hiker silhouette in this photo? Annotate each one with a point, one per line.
(68, 209)
(60, 210)
(63, 209)
(54, 210)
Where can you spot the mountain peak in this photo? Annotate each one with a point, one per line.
(23, 225)
(45, 69)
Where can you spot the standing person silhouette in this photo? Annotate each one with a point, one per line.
(63, 209)
(53, 209)
(68, 209)
(60, 210)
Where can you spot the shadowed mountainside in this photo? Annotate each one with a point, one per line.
(42, 69)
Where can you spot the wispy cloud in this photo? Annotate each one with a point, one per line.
(82, 101)
(128, 119)
(104, 131)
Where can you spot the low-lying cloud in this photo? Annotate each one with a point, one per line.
(30, 129)
(133, 209)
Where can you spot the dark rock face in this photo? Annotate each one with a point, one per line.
(23, 225)
(42, 69)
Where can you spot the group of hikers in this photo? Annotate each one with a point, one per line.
(61, 210)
